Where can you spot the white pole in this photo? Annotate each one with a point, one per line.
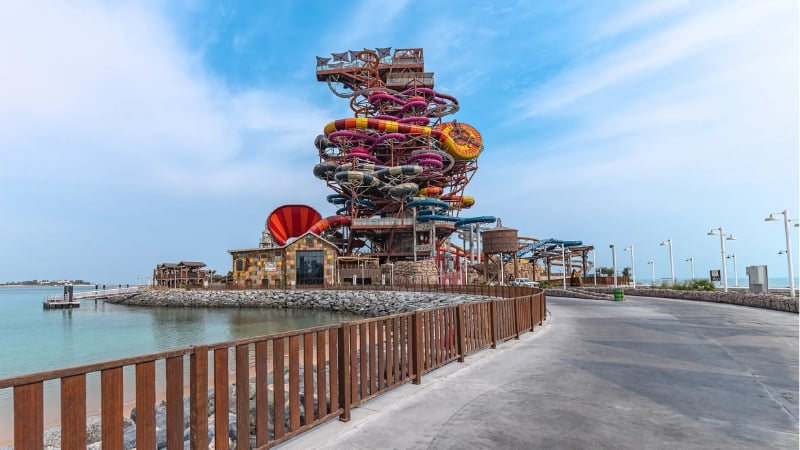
(563, 269)
(414, 210)
(789, 251)
(668, 243)
(614, 263)
(724, 262)
(633, 265)
(691, 262)
(653, 274)
(594, 264)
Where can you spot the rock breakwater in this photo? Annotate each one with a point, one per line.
(365, 303)
(742, 298)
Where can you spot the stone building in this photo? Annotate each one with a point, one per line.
(308, 260)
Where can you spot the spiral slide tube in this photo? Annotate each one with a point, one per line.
(467, 145)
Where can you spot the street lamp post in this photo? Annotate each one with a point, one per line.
(722, 238)
(633, 264)
(563, 268)
(653, 267)
(613, 263)
(594, 264)
(691, 261)
(735, 271)
(668, 242)
(786, 220)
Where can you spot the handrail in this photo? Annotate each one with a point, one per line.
(327, 370)
(103, 293)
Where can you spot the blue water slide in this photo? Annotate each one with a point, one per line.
(430, 217)
(547, 244)
(336, 199)
(472, 220)
(431, 202)
(359, 201)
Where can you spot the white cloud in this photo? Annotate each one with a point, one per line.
(110, 86)
(665, 48)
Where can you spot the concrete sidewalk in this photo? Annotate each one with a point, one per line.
(644, 373)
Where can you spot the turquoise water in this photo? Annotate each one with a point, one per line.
(35, 340)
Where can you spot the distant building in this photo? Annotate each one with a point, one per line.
(182, 274)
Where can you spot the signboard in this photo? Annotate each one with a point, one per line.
(715, 275)
(269, 267)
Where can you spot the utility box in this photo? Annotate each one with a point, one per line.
(758, 279)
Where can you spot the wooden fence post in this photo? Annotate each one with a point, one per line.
(544, 307)
(73, 412)
(416, 347)
(344, 371)
(493, 323)
(461, 332)
(198, 400)
(28, 416)
(533, 310)
(111, 407)
(516, 318)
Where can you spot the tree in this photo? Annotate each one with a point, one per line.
(606, 271)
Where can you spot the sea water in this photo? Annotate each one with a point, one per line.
(34, 340)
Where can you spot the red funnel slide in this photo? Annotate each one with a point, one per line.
(290, 221)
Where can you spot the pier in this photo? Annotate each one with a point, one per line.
(73, 300)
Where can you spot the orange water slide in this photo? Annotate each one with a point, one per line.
(329, 222)
(460, 140)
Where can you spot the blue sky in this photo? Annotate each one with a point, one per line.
(135, 133)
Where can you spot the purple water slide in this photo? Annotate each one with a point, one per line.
(351, 135)
(416, 120)
(414, 105)
(383, 97)
(425, 155)
(430, 163)
(363, 156)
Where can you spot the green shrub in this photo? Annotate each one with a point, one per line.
(694, 285)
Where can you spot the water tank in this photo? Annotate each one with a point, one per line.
(500, 240)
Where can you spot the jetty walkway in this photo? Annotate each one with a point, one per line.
(64, 301)
(644, 373)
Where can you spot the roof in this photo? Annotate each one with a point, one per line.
(286, 245)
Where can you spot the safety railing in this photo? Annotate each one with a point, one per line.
(278, 386)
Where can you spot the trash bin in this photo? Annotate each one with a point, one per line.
(618, 294)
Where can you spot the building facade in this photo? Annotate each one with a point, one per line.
(309, 260)
(182, 274)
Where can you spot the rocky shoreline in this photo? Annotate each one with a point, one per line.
(732, 297)
(365, 303)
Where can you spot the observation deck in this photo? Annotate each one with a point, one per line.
(359, 69)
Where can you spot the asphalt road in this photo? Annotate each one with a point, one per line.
(645, 373)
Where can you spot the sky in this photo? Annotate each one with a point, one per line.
(139, 132)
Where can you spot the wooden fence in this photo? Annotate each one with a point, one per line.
(325, 370)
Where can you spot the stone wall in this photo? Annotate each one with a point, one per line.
(366, 303)
(744, 298)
